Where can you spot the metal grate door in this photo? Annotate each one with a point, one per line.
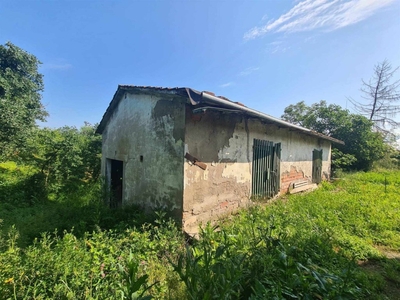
(266, 169)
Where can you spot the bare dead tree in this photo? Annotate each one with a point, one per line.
(382, 99)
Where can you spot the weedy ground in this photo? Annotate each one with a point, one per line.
(341, 241)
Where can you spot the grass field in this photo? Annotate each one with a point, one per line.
(341, 241)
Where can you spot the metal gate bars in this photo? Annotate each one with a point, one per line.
(266, 169)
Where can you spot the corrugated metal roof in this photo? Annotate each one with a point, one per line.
(155, 88)
(208, 98)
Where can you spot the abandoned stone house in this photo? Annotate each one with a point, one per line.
(202, 156)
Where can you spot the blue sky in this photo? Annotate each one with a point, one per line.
(265, 54)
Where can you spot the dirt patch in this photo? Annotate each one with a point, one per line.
(391, 254)
(388, 269)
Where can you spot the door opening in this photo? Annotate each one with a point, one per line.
(116, 182)
(266, 169)
(317, 166)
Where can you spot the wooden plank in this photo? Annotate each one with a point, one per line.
(300, 183)
(303, 188)
(195, 161)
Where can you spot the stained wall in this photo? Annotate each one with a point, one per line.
(224, 142)
(146, 132)
(150, 134)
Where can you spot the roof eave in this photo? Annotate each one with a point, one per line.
(110, 109)
(210, 99)
(195, 98)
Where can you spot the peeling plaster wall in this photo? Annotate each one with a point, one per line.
(225, 143)
(296, 148)
(220, 141)
(162, 128)
(151, 126)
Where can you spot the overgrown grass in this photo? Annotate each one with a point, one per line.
(307, 246)
(24, 204)
(95, 266)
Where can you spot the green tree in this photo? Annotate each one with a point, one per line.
(20, 97)
(363, 145)
(67, 158)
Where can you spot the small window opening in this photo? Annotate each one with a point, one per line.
(141, 158)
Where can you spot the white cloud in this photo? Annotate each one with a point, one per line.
(280, 50)
(275, 43)
(226, 84)
(248, 71)
(278, 47)
(310, 38)
(264, 18)
(320, 14)
(63, 66)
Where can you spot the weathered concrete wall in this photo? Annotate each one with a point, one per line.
(225, 143)
(220, 141)
(146, 132)
(296, 154)
(151, 133)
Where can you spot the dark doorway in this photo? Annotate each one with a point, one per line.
(117, 171)
(317, 166)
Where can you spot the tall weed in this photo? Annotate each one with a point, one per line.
(305, 247)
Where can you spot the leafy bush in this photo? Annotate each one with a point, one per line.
(308, 246)
(101, 265)
(21, 185)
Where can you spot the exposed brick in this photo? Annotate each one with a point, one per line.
(288, 177)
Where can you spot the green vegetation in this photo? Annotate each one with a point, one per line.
(328, 244)
(363, 146)
(59, 241)
(20, 93)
